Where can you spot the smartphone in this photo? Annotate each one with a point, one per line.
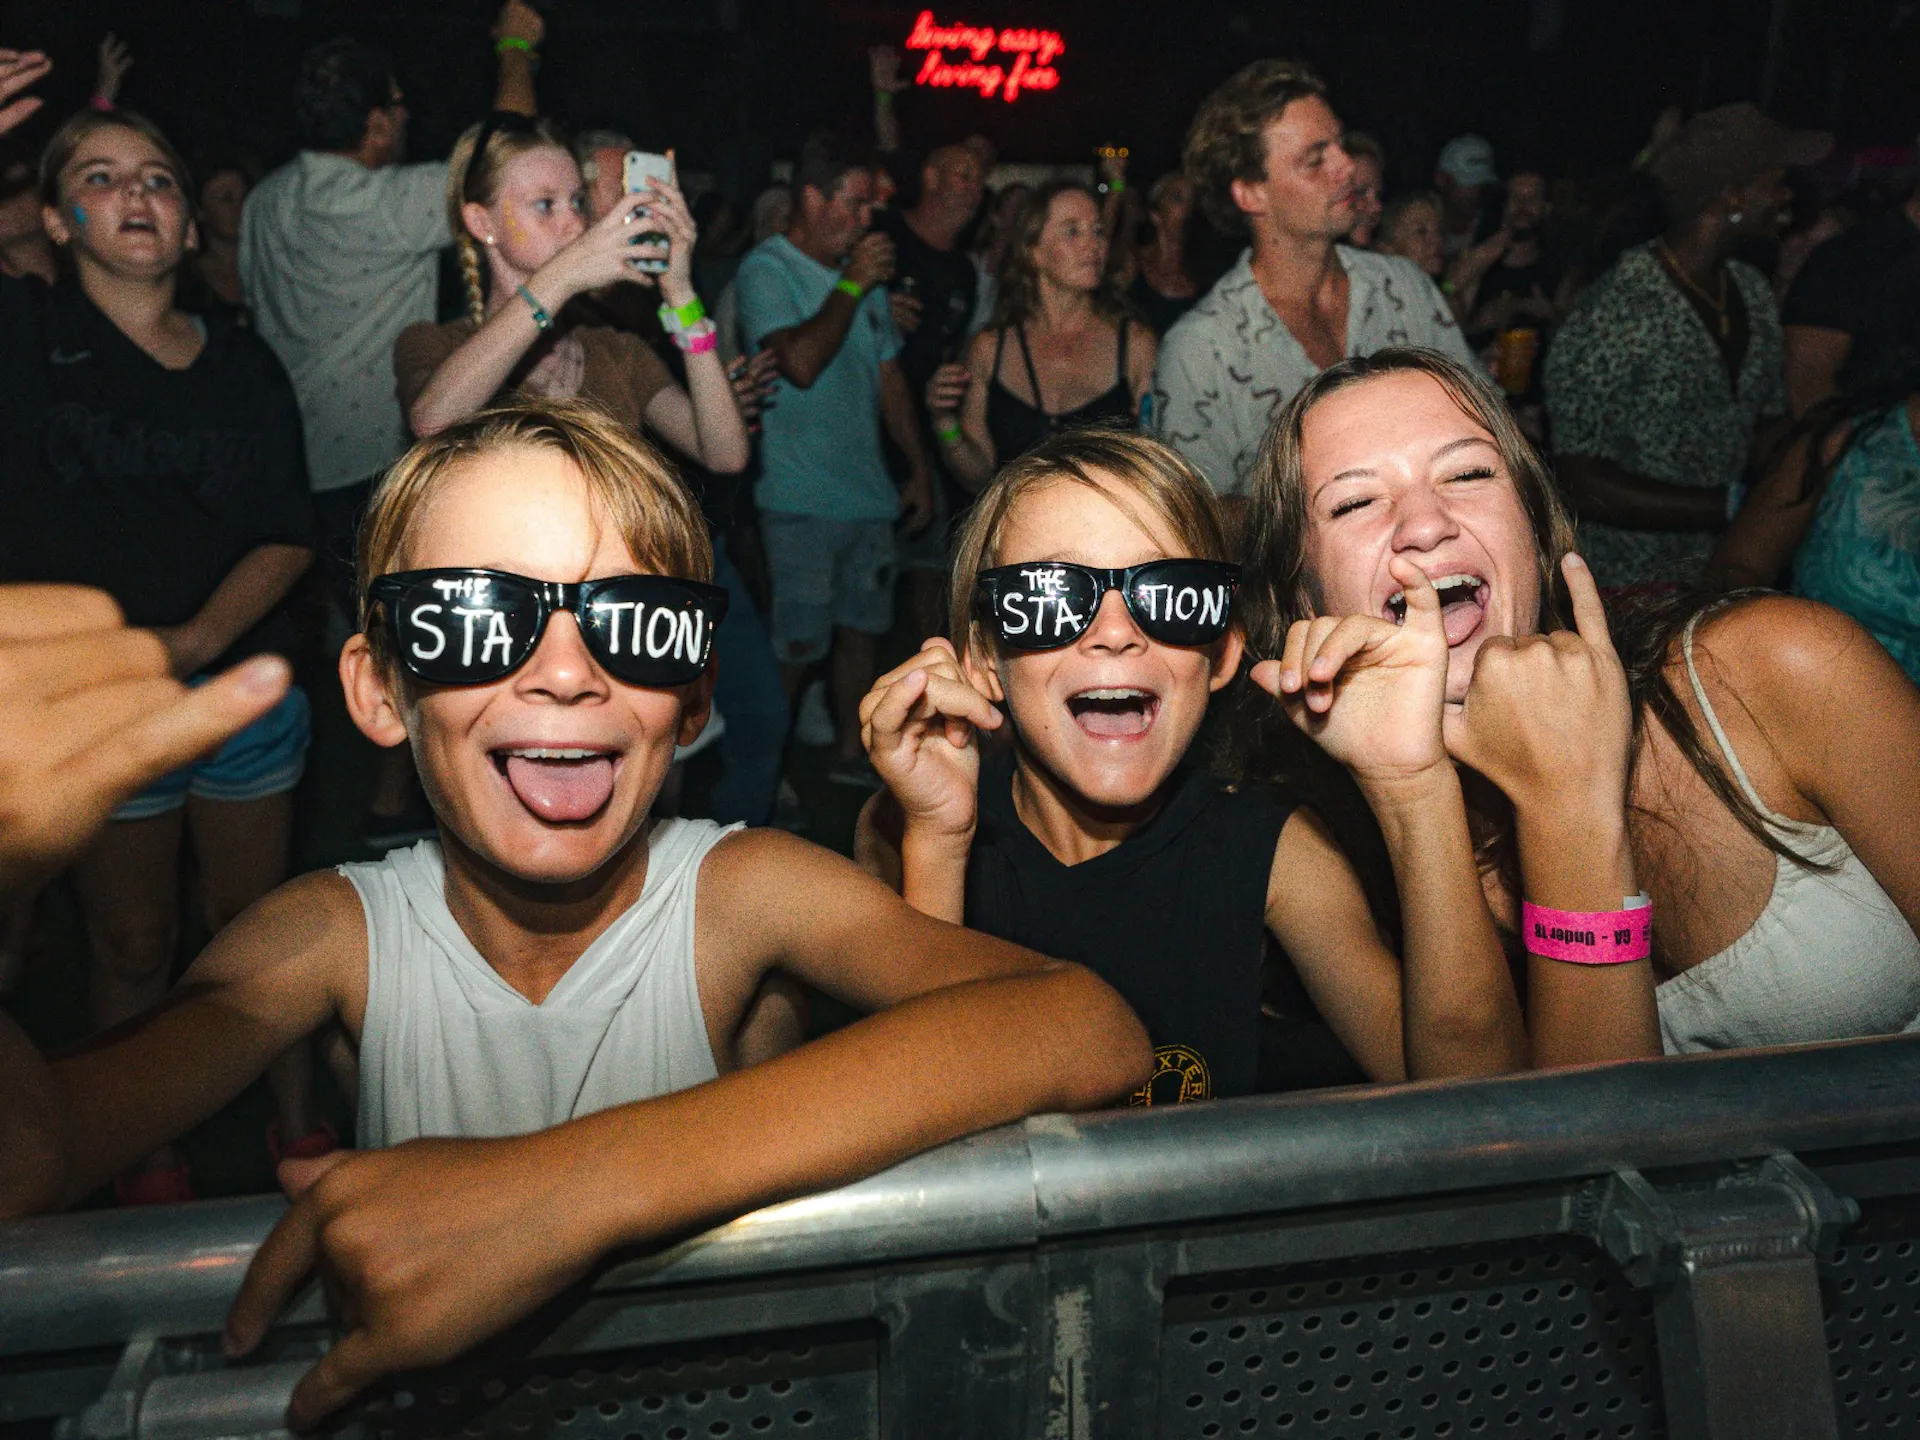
(640, 167)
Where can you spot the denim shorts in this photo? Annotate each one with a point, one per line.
(826, 574)
(266, 758)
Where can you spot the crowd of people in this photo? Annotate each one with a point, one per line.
(1324, 661)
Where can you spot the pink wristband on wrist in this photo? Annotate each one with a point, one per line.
(695, 342)
(1590, 937)
(100, 103)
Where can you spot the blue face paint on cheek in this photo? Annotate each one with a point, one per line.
(79, 215)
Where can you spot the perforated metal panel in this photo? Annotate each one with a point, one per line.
(1872, 1292)
(1532, 1340)
(800, 1388)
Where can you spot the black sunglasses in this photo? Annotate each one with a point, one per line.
(1050, 603)
(470, 627)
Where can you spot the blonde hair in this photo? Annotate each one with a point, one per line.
(1150, 475)
(627, 481)
(503, 147)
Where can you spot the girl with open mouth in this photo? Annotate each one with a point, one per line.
(1094, 618)
(1746, 763)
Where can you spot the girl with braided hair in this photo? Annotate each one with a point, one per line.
(518, 205)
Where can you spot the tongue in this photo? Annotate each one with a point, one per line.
(561, 789)
(1460, 618)
(1110, 721)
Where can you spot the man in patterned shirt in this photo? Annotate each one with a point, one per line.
(1660, 378)
(1265, 158)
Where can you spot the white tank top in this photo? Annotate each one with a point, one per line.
(449, 1048)
(1830, 957)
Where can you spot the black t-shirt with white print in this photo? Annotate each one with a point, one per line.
(150, 483)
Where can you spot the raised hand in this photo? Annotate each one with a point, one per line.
(518, 20)
(90, 716)
(883, 69)
(115, 59)
(18, 70)
(947, 388)
(918, 723)
(906, 312)
(668, 213)
(871, 262)
(1370, 692)
(1547, 717)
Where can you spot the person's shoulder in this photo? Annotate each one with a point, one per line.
(1781, 653)
(769, 256)
(750, 866)
(1755, 288)
(318, 915)
(1372, 266)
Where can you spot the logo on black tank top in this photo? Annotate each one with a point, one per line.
(1179, 1075)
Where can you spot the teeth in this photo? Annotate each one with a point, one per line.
(1398, 600)
(555, 753)
(1113, 695)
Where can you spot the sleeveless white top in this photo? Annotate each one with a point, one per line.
(1830, 957)
(449, 1048)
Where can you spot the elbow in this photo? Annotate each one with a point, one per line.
(1467, 1044)
(1111, 1057)
(33, 1173)
(729, 459)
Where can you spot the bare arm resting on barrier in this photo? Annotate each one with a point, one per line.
(978, 1033)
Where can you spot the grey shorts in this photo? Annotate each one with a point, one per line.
(826, 574)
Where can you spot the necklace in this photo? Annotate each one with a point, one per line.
(1719, 306)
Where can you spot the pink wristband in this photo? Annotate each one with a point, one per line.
(100, 103)
(698, 341)
(1589, 937)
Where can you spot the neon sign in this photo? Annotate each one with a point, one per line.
(1026, 61)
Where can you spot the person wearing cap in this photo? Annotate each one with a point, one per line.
(1661, 377)
(1463, 177)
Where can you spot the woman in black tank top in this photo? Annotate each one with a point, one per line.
(1062, 312)
(1096, 838)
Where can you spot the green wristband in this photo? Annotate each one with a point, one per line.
(850, 287)
(513, 42)
(948, 435)
(682, 317)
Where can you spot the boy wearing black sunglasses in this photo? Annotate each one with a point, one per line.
(558, 970)
(1093, 621)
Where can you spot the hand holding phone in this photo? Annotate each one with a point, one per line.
(641, 169)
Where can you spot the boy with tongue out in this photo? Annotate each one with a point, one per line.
(1094, 837)
(558, 970)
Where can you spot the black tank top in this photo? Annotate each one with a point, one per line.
(1016, 426)
(1174, 918)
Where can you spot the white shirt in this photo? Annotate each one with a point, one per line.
(336, 260)
(1230, 363)
(449, 1048)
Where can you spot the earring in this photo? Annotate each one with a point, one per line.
(1736, 217)
(490, 240)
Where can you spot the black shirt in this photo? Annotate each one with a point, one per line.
(1867, 284)
(1174, 918)
(150, 483)
(945, 283)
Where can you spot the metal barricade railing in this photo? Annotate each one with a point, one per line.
(1722, 1246)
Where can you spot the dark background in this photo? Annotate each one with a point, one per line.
(1568, 85)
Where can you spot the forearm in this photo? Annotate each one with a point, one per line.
(1461, 1016)
(252, 588)
(933, 874)
(470, 377)
(898, 413)
(955, 1061)
(513, 89)
(1614, 495)
(1577, 857)
(33, 1141)
(806, 349)
(966, 459)
(886, 124)
(721, 435)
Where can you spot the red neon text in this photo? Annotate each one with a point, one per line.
(1031, 52)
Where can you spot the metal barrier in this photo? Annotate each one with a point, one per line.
(1716, 1246)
